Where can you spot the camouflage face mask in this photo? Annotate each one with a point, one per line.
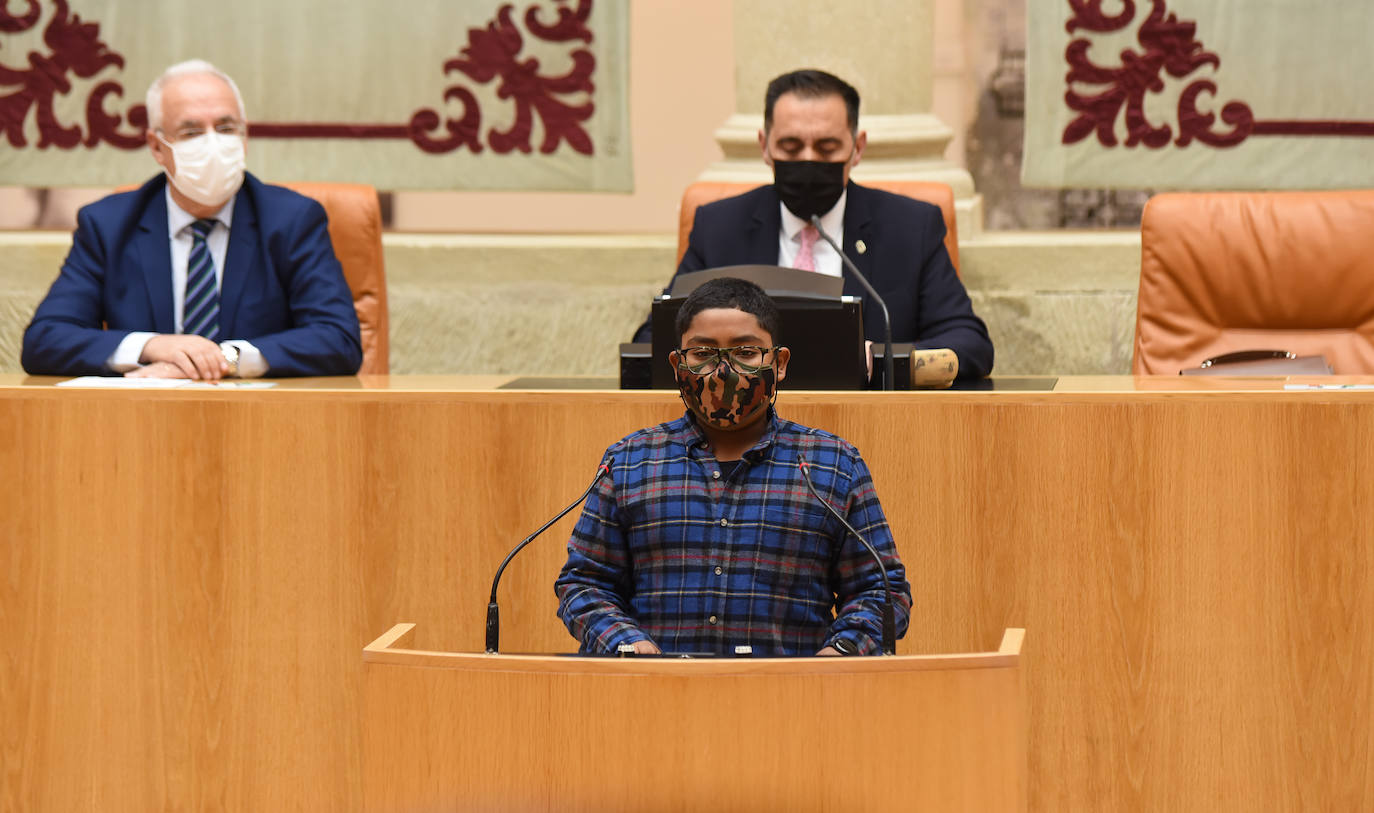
(725, 398)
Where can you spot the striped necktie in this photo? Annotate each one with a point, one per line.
(201, 312)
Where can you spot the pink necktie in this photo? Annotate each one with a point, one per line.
(806, 258)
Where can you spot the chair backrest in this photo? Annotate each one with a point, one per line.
(355, 229)
(703, 192)
(1228, 271)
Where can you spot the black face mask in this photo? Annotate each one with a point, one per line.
(809, 188)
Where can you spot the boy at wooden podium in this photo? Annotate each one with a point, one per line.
(704, 535)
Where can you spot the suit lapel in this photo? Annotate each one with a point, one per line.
(763, 237)
(858, 227)
(238, 262)
(153, 254)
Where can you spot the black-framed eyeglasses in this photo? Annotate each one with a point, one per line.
(746, 358)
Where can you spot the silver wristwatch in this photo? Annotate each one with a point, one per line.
(231, 357)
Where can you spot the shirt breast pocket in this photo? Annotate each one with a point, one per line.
(799, 532)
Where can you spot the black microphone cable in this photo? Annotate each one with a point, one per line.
(889, 624)
(889, 376)
(493, 612)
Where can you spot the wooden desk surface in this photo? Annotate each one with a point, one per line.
(1191, 559)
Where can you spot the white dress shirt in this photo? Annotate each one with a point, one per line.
(789, 238)
(127, 354)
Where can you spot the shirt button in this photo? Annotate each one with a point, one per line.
(719, 571)
(715, 475)
(724, 522)
(713, 619)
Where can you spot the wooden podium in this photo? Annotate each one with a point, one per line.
(456, 731)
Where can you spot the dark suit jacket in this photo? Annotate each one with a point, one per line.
(904, 259)
(282, 288)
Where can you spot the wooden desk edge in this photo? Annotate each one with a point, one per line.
(1067, 389)
(383, 652)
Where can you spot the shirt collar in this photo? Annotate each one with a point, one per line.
(692, 436)
(832, 221)
(178, 218)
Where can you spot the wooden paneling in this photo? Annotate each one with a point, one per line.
(187, 578)
(445, 731)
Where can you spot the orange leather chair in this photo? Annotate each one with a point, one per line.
(704, 192)
(1228, 271)
(355, 229)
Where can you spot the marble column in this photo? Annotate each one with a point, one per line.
(882, 47)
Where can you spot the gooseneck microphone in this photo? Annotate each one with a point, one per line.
(889, 376)
(493, 612)
(889, 625)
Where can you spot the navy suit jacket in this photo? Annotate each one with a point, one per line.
(904, 258)
(282, 288)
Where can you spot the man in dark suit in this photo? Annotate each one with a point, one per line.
(812, 141)
(213, 274)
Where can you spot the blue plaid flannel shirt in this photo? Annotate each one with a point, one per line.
(672, 550)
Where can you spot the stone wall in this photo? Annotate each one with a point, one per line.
(1056, 303)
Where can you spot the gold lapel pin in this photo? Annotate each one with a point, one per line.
(860, 246)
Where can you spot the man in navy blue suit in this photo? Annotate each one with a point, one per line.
(213, 274)
(812, 140)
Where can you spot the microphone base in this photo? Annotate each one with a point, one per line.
(493, 629)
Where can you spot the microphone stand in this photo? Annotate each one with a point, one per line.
(889, 367)
(889, 623)
(494, 612)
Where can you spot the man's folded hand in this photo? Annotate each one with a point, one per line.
(194, 356)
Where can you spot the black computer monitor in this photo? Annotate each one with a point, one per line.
(823, 328)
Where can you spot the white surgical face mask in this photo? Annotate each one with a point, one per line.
(209, 167)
